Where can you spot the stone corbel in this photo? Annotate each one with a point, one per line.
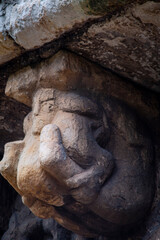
(86, 159)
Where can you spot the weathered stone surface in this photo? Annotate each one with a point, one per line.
(127, 44)
(19, 89)
(108, 6)
(148, 13)
(133, 35)
(83, 75)
(86, 154)
(33, 23)
(8, 48)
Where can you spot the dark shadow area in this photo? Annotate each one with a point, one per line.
(38, 233)
(8, 196)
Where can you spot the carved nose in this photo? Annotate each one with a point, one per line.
(36, 109)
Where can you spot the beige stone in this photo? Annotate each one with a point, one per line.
(21, 85)
(8, 49)
(85, 153)
(66, 71)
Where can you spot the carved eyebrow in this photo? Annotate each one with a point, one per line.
(47, 100)
(77, 104)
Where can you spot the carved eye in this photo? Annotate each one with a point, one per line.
(50, 107)
(47, 107)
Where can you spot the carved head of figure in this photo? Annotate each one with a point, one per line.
(86, 158)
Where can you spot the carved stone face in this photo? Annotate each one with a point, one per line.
(85, 164)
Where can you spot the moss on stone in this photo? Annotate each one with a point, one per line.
(101, 7)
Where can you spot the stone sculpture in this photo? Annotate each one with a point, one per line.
(87, 157)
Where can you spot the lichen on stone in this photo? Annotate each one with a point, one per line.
(99, 7)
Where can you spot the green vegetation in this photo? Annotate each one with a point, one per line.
(101, 7)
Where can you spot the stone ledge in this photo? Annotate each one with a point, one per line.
(132, 35)
(34, 23)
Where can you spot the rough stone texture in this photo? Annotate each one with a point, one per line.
(73, 138)
(8, 48)
(108, 6)
(148, 13)
(33, 23)
(127, 44)
(82, 74)
(132, 34)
